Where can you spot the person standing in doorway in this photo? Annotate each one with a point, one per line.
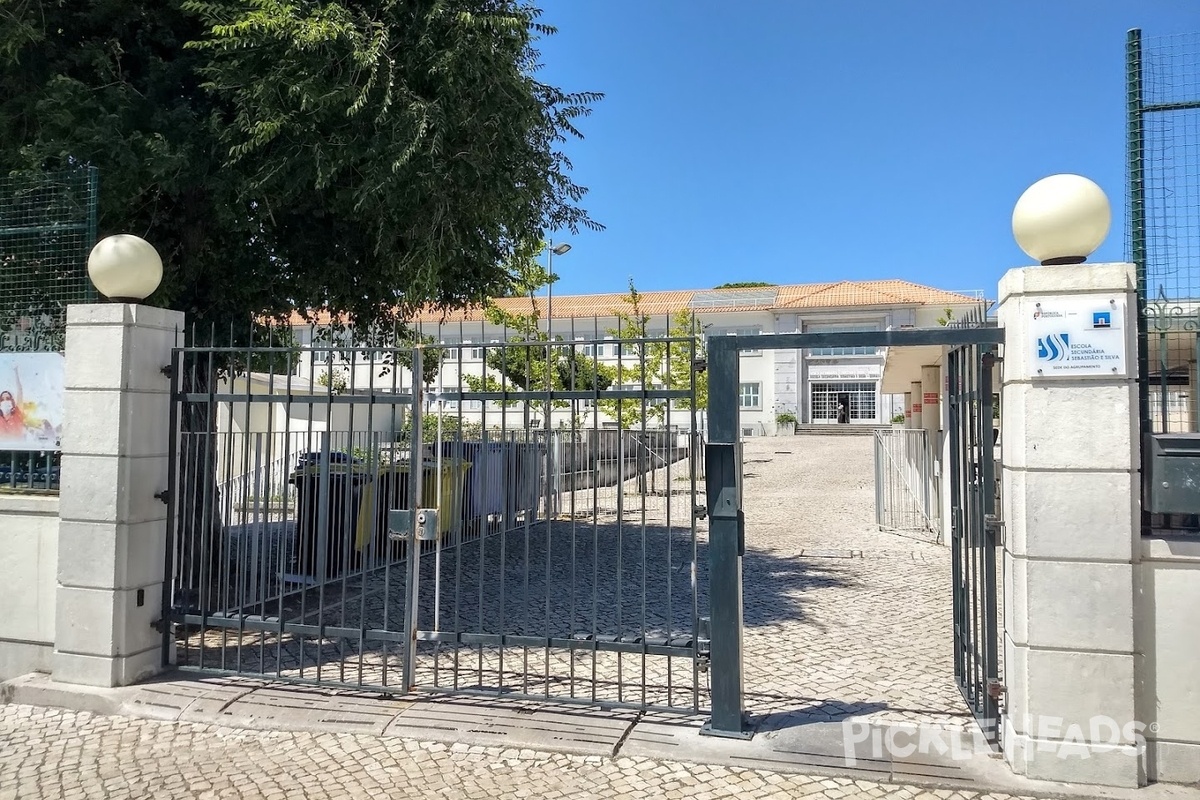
(12, 420)
(843, 413)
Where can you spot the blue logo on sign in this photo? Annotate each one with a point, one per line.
(1054, 347)
(1101, 319)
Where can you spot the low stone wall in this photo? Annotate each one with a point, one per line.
(1168, 633)
(28, 582)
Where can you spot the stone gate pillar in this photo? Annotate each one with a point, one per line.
(1071, 511)
(114, 461)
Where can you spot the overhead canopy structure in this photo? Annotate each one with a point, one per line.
(902, 366)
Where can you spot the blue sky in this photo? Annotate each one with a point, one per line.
(793, 141)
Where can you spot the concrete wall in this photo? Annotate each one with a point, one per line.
(28, 582)
(1167, 632)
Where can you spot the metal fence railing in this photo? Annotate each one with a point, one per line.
(1163, 235)
(47, 227)
(906, 483)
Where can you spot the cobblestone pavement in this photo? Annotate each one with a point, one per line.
(841, 618)
(59, 754)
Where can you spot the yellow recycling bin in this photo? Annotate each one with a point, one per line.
(389, 490)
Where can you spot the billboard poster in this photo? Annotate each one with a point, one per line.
(31, 401)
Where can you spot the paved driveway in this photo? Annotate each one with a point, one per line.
(841, 618)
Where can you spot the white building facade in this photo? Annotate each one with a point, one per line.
(817, 386)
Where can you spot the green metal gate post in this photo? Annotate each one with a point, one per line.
(412, 557)
(726, 540)
(1136, 167)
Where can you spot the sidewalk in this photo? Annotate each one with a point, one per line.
(627, 752)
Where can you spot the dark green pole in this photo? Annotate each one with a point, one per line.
(726, 542)
(1136, 155)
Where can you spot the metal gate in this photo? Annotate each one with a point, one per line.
(906, 483)
(553, 553)
(974, 527)
(970, 347)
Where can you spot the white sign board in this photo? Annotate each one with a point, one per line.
(31, 401)
(862, 372)
(1078, 336)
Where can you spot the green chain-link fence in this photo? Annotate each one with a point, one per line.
(47, 227)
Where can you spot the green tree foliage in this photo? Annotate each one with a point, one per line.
(431, 356)
(651, 359)
(360, 157)
(531, 361)
(364, 157)
(745, 285)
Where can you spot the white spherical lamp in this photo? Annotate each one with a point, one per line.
(125, 268)
(1061, 219)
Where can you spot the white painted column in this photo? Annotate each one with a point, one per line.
(1071, 510)
(908, 421)
(931, 393)
(915, 409)
(114, 460)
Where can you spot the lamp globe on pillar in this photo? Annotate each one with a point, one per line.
(125, 268)
(1061, 219)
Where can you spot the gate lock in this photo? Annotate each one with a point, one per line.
(400, 523)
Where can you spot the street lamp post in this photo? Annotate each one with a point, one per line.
(551, 252)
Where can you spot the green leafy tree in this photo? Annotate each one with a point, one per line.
(333, 379)
(432, 356)
(531, 361)
(358, 157)
(745, 285)
(648, 360)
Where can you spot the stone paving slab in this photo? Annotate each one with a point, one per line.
(556, 728)
(188, 700)
(303, 708)
(811, 746)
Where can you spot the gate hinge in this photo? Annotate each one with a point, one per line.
(700, 365)
(995, 689)
(164, 495)
(168, 370)
(700, 512)
(993, 522)
(161, 625)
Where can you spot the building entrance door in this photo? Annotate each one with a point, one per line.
(842, 402)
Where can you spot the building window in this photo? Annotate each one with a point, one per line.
(841, 328)
(843, 401)
(750, 395)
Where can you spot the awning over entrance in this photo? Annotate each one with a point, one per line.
(902, 366)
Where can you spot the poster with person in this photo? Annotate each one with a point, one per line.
(31, 401)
